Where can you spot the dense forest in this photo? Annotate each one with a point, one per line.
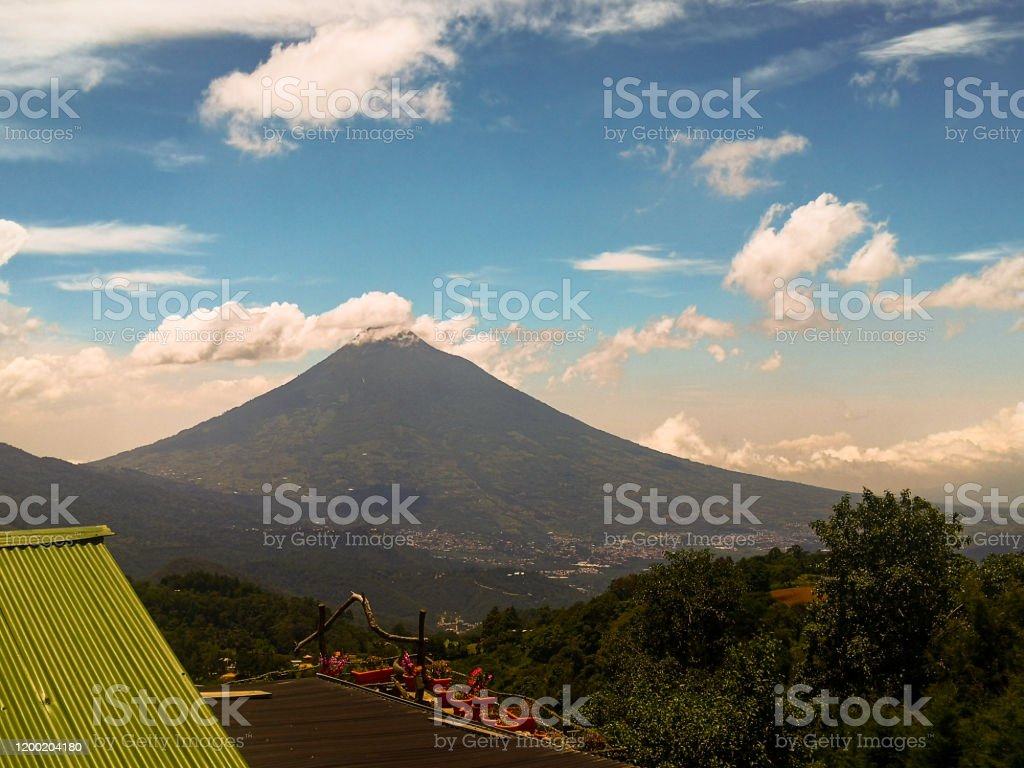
(210, 618)
(906, 653)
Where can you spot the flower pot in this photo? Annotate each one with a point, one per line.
(529, 725)
(462, 708)
(373, 676)
(443, 682)
(482, 706)
(410, 679)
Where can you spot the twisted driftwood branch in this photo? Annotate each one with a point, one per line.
(370, 620)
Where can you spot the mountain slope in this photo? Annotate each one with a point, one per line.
(485, 458)
(165, 527)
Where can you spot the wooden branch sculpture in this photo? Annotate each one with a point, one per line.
(370, 620)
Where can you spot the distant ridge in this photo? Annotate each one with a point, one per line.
(164, 527)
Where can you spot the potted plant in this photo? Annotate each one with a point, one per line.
(373, 673)
(333, 665)
(439, 675)
(484, 706)
(460, 696)
(409, 671)
(516, 718)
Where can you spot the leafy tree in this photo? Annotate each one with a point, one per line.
(890, 584)
(703, 718)
(207, 617)
(686, 607)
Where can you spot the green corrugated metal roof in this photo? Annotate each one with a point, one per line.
(72, 628)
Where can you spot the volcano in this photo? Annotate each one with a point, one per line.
(482, 457)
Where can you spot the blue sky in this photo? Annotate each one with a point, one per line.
(848, 176)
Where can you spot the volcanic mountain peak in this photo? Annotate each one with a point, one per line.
(499, 478)
(390, 334)
(483, 457)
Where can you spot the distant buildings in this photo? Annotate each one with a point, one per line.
(455, 623)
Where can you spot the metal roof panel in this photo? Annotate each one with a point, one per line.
(77, 645)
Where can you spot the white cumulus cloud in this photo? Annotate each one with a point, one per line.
(874, 261)
(836, 459)
(773, 363)
(345, 61)
(727, 165)
(280, 331)
(604, 364)
(111, 237)
(812, 236)
(642, 259)
(997, 287)
(12, 238)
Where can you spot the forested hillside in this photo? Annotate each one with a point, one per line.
(694, 661)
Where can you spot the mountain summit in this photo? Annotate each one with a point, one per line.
(482, 456)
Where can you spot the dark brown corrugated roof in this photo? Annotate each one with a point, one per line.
(319, 724)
